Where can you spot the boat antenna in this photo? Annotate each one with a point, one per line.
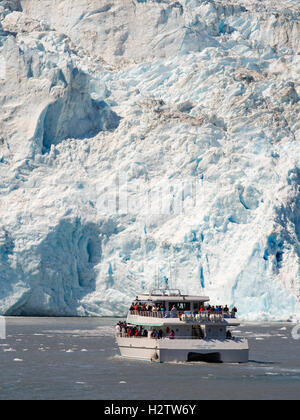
(170, 273)
(175, 271)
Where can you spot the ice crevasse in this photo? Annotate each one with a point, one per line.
(149, 138)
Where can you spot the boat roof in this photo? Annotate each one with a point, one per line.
(171, 295)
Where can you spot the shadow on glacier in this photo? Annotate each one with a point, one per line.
(288, 215)
(64, 272)
(9, 276)
(75, 115)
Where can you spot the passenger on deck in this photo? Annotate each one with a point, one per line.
(172, 334)
(155, 334)
(174, 311)
(228, 335)
(135, 308)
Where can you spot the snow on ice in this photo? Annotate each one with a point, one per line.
(149, 137)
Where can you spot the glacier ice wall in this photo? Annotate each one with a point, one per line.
(149, 138)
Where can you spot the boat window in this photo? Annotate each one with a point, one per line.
(197, 305)
(182, 306)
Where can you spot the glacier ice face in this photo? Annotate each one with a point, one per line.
(75, 115)
(149, 138)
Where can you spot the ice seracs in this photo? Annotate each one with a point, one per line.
(186, 111)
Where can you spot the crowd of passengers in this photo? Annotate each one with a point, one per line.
(131, 331)
(139, 307)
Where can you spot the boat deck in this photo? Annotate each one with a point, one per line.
(165, 319)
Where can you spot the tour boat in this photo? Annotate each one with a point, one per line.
(167, 326)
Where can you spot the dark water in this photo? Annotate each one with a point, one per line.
(75, 358)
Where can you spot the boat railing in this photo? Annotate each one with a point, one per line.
(152, 314)
(180, 337)
(185, 316)
(202, 317)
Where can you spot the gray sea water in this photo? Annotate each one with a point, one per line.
(77, 358)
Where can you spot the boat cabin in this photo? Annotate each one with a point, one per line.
(169, 298)
(188, 316)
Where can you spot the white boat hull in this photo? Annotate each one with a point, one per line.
(184, 350)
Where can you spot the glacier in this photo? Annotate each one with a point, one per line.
(147, 139)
